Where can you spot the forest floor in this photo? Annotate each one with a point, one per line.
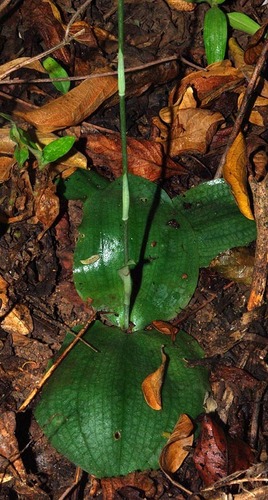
(39, 230)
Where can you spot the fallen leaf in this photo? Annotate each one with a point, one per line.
(255, 45)
(145, 158)
(73, 107)
(87, 37)
(46, 203)
(191, 130)
(210, 83)
(181, 5)
(165, 328)
(18, 320)
(44, 19)
(35, 65)
(4, 301)
(6, 164)
(175, 451)
(217, 454)
(10, 461)
(235, 174)
(152, 385)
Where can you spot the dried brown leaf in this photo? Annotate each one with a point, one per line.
(191, 130)
(87, 37)
(10, 461)
(181, 5)
(152, 385)
(18, 320)
(46, 203)
(235, 174)
(175, 452)
(145, 158)
(73, 107)
(165, 328)
(6, 164)
(255, 45)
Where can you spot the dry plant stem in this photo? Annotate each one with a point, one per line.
(85, 77)
(259, 280)
(77, 479)
(244, 107)
(48, 374)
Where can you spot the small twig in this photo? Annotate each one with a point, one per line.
(132, 69)
(39, 56)
(244, 107)
(74, 17)
(3, 95)
(48, 374)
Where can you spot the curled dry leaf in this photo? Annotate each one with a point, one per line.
(255, 45)
(6, 164)
(145, 158)
(18, 320)
(191, 130)
(210, 83)
(152, 385)
(73, 107)
(235, 174)
(165, 328)
(217, 454)
(4, 301)
(35, 65)
(175, 451)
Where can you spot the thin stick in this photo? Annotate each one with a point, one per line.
(131, 69)
(244, 107)
(48, 374)
(75, 16)
(4, 5)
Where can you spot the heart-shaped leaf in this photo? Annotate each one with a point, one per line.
(162, 245)
(93, 409)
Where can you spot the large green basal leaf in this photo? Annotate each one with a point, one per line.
(211, 210)
(162, 245)
(93, 410)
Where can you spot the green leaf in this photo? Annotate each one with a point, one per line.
(93, 410)
(82, 184)
(162, 243)
(56, 149)
(242, 22)
(21, 154)
(55, 70)
(211, 210)
(215, 34)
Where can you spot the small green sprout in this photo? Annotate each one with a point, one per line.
(55, 70)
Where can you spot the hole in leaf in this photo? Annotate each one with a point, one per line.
(117, 435)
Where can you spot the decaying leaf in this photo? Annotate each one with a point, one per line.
(46, 204)
(217, 454)
(35, 65)
(165, 328)
(255, 45)
(10, 460)
(152, 385)
(18, 320)
(181, 5)
(73, 107)
(175, 451)
(4, 301)
(235, 173)
(6, 164)
(145, 158)
(191, 130)
(210, 83)
(235, 264)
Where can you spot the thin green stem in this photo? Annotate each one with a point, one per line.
(125, 185)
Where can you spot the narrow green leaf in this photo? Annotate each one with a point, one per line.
(93, 410)
(21, 154)
(242, 22)
(56, 149)
(55, 70)
(215, 34)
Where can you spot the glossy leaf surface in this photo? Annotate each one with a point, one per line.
(162, 245)
(93, 409)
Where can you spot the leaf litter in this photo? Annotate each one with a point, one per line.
(174, 111)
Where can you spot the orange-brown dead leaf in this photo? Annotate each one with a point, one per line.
(152, 385)
(18, 320)
(165, 328)
(73, 107)
(6, 164)
(191, 130)
(145, 158)
(235, 174)
(87, 37)
(175, 452)
(210, 83)
(181, 5)
(4, 301)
